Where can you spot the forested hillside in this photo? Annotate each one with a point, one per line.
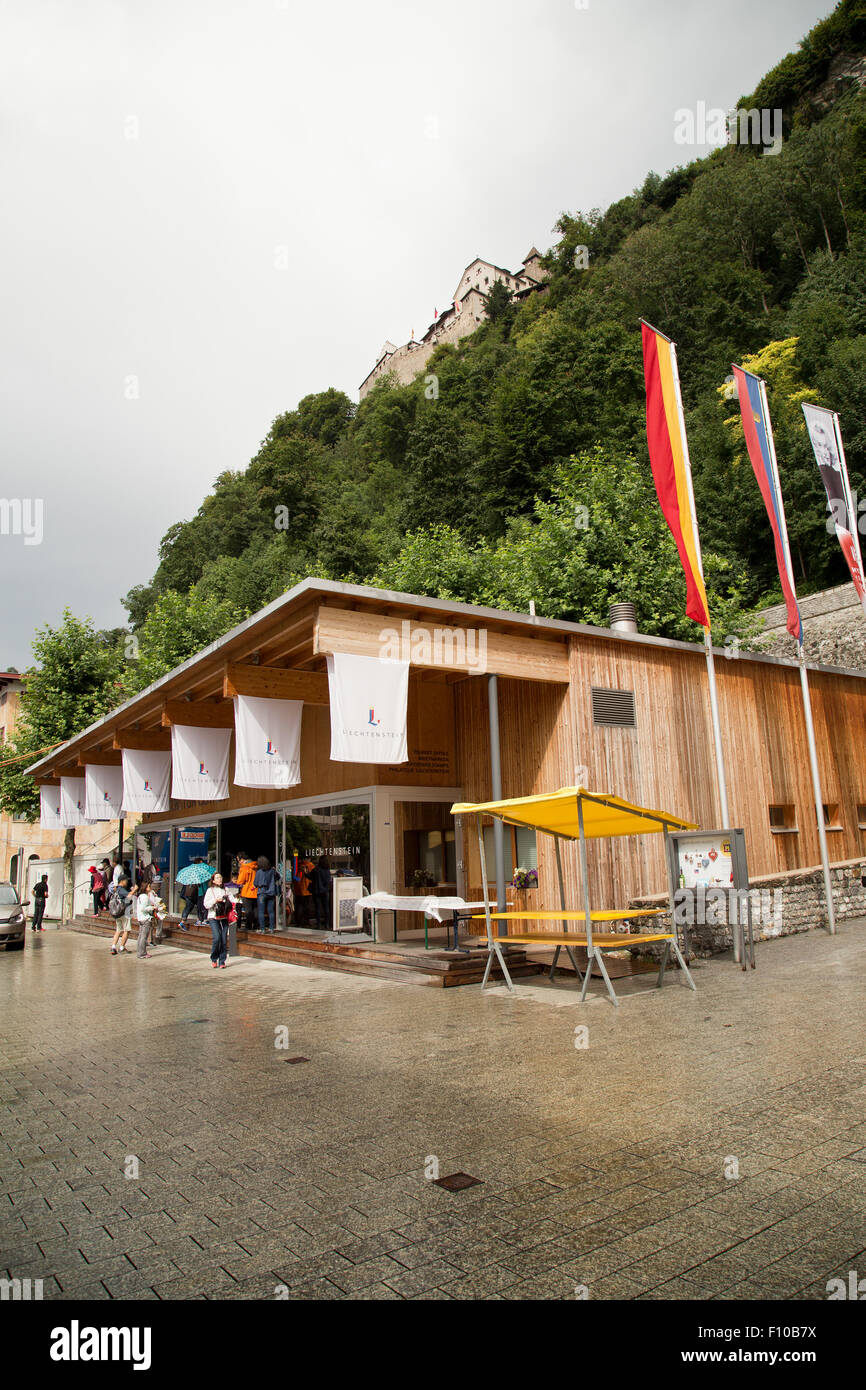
(525, 475)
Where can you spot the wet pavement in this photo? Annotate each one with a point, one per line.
(160, 1139)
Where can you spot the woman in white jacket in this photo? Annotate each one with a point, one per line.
(144, 917)
(218, 905)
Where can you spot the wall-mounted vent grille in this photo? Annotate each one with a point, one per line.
(613, 707)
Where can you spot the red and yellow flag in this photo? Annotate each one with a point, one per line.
(669, 460)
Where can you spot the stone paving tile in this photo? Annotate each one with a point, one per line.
(675, 1289)
(481, 1283)
(248, 1179)
(88, 1291)
(428, 1276)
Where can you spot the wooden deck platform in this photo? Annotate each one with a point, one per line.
(403, 961)
(406, 962)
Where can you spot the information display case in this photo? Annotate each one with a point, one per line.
(704, 860)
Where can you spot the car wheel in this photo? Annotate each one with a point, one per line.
(15, 945)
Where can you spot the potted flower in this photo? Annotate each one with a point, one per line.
(422, 881)
(523, 881)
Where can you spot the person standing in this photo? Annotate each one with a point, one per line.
(106, 870)
(321, 886)
(218, 906)
(144, 917)
(97, 887)
(266, 894)
(159, 913)
(246, 882)
(304, 891)
(190, 903)
(40, 893)
(153, 877)
(123, 923)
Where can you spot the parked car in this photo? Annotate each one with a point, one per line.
(13, 924)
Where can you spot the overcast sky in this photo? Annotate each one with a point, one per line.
(211, 209)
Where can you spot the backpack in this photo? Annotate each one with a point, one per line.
(116, 905)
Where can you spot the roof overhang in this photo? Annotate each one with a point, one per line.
(296, 631)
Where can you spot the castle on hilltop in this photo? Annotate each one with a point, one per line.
(466, 311)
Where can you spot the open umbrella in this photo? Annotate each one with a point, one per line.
(196, 873)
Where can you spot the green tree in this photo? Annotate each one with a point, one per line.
(75, 680)
(177, 627)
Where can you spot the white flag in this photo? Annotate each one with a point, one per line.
(49, 808)
(104, 791)
(146, 776)
(369, 701)
(267, 742)
(826, 437)
(200, 761)
(72, 802)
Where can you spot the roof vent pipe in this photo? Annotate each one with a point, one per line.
(622, 617)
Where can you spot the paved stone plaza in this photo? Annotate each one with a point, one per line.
(602, 1166)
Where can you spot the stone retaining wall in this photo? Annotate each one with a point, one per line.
(798, 908)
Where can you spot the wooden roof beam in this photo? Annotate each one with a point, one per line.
(275, 683)
(144, 740)
(201, 714)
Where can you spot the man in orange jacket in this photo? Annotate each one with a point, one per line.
(249, 893)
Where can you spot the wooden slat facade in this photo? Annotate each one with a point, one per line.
(668, 760)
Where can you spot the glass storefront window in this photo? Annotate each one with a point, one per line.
(337, 837)
(153, 859)
(194, 844)
(438, 856)
(343, 837)
(425, 847)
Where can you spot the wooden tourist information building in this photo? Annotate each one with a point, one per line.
(500, 705)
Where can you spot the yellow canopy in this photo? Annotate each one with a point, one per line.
(556, 813)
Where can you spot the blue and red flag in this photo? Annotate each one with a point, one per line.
(757, 429)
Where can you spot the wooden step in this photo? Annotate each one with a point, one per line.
(439, 969)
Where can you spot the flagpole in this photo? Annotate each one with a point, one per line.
(804, 679)
(708, 643)
(849, 500)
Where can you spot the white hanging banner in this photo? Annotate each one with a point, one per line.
(267, 742)
(200, 763)
(72, 802)
(104, 792)
(146, 776)
(49, 808)
(369, 701)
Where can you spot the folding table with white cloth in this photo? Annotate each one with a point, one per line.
(432, 906)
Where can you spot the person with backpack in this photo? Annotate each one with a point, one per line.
(266, 894)
(40, 893)
(120, 904)
(97, 888)
(218, 905)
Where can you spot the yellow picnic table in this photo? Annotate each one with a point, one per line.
(574, 813)
(604, 941)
